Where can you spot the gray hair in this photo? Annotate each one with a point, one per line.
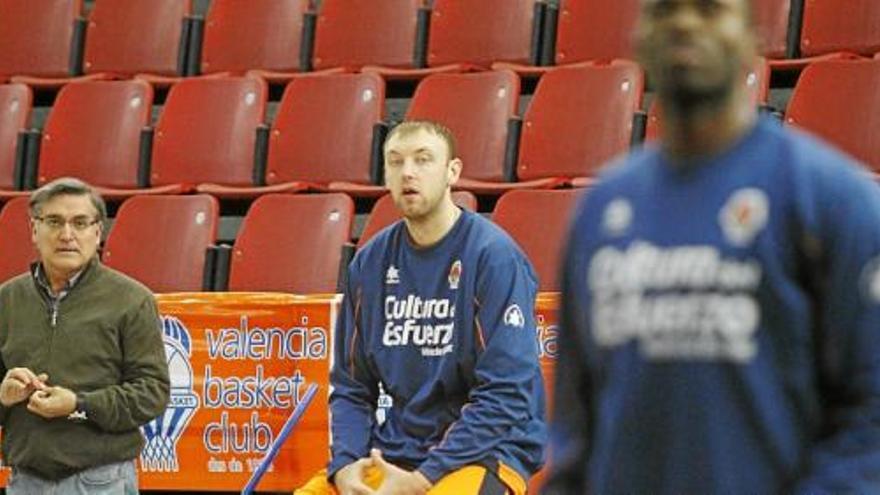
(66, 186)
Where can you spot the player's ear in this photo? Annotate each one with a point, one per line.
(453, 171)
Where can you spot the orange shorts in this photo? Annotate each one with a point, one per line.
(476, 480)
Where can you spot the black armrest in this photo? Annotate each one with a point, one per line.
(221, 267)
(377, 157)
(77, 46)
(209, 269)
(31, 158)
(194, 45)
(537, 28)
(640, 123)
(261, 155)
(511, 150)
(795, 23)
(19, 160)
(307, 43)
(423, 27)
(548, 42)
(183, 46)
(345, 258)
(145, 157)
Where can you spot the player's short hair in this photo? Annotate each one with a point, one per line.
(66, 186)
(408, 127)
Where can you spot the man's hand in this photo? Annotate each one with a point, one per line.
(52, 402)
(350, 479)
(19, 384)
(397, 481)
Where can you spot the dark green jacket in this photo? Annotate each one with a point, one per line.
(106, 346)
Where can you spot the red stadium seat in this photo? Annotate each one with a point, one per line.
(477, 108)
(207, 133)
(757, 82)
(36, 37)
(579, 118)
(538, 221)
(93, 132)
(322, 137)
(771, 20)
(472, 34)
(834, 26)
(15, 110)
(376, 32)
(162, 240)
(839, 101)
(384, 213)
(260, 35)
(291, 243)
(15, 239)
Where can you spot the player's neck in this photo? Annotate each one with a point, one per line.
(705, 131)
(429, 230)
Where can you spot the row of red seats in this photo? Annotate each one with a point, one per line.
(327, 133)
(287, 243)
(162, 40)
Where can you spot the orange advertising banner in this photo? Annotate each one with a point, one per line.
(239, 364)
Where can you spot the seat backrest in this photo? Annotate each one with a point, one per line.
(579, 118)
(839, 101)
(93, 133)
(595, 30)
(36, 36)
(291, 243)
(538, 221)
(757, 83)
(384, 213)
(207, 131)
(832, 25)
(256, 34)
(481, 31)
(161, 240)
(323, 130)
(366, 32)
(771, 22)
(15, 239)
(15, 110)
(134, 36)
(476, 108)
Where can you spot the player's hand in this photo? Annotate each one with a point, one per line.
(19, 384)
(52, 402)
(397, 481)
(350, 479)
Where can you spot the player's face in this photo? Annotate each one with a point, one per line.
(695, 50)
(66, 234)
(419, 172)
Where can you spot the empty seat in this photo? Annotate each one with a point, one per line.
(291, 243)
(835, 26)
(207, 133)
(323, 137)
(37, 37)
(839, 101)
(354, 34)
(384, 213)
(257, 34)
(579, 118)
(538, 221)
(469, 34)
(477, 108)
(771, 22)
(161, 241)
(15, 239)
(93, 132)
(15, 110)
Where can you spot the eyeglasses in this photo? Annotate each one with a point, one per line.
(56, 223)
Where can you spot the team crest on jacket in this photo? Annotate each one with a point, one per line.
(617, 216)
(513, 316)
(744, 215)
(392, 275)
(454, 274)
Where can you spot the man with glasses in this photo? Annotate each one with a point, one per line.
(81, 356)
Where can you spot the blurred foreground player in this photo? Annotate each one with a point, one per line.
(721, 294)
(439, 314)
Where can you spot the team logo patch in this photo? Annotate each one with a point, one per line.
(744, 215)
(162, 434)
(392, 276)
(454, 274)
(617, 217)
(513, 316)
